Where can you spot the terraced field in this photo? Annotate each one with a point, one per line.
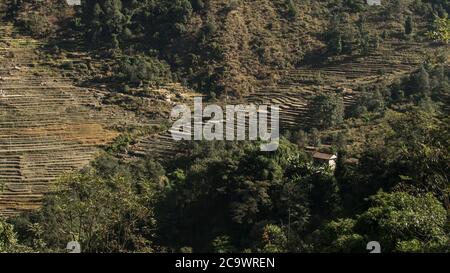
(297, 86)
(294, 91)
(48, 126)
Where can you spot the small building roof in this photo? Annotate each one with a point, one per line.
(352, 161)
(74, 2)
(374, 2)
(323, 156)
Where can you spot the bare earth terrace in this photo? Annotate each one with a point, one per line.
(48, 126)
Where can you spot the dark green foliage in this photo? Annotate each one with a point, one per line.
(409, 25)
(158, 26)
(355, 5)
(233, 188)
(399, 221)
(8, 238)
(104, 21)
(334, 35)
(291, 8)
(425, 82)
(344, 37)
(106, 210)
(114, 22)
(372, 101)
(94, 211)
(197, 5)
(419, 165)
(222, 244)
(141, 69)
(327, 110)
(12, 8)
(273, 239)
(37, 25)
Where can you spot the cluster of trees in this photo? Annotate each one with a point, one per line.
(160, 27)
(150, 33)
(231, 197)
(345, 38)
(428, 82)
(401, 222)
(141, 69)
(427, 88)
(104, 212)
(327, 110)
(37, 18)
(441, 31)
(225, 197)
(114, 23)
(8, 238)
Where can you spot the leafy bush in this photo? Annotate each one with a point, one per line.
(441, 32)
(397, 218)
(327, 110)
(142, 69)
(37, 24)
(292, 8)
(104, 212)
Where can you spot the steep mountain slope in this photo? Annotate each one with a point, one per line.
(265, 48)
(270, 52)
(48, 126)
(260, 37)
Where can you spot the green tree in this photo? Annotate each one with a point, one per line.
(420, 162)
(315, 138)
(8, 238)
(398, 220)
(9, 242)
(420, 82)
(197, 4)
(102, 214)
(340, 236)
(222, 244)
(292, 8)
(142, 69)
(327, 110)
(334, 35)
(441, 32)
(409, 25)
(273, 239)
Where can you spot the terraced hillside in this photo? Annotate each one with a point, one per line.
(47, 125)
(262, 45)
(296, 88)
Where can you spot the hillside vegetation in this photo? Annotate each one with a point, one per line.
(86, 95)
